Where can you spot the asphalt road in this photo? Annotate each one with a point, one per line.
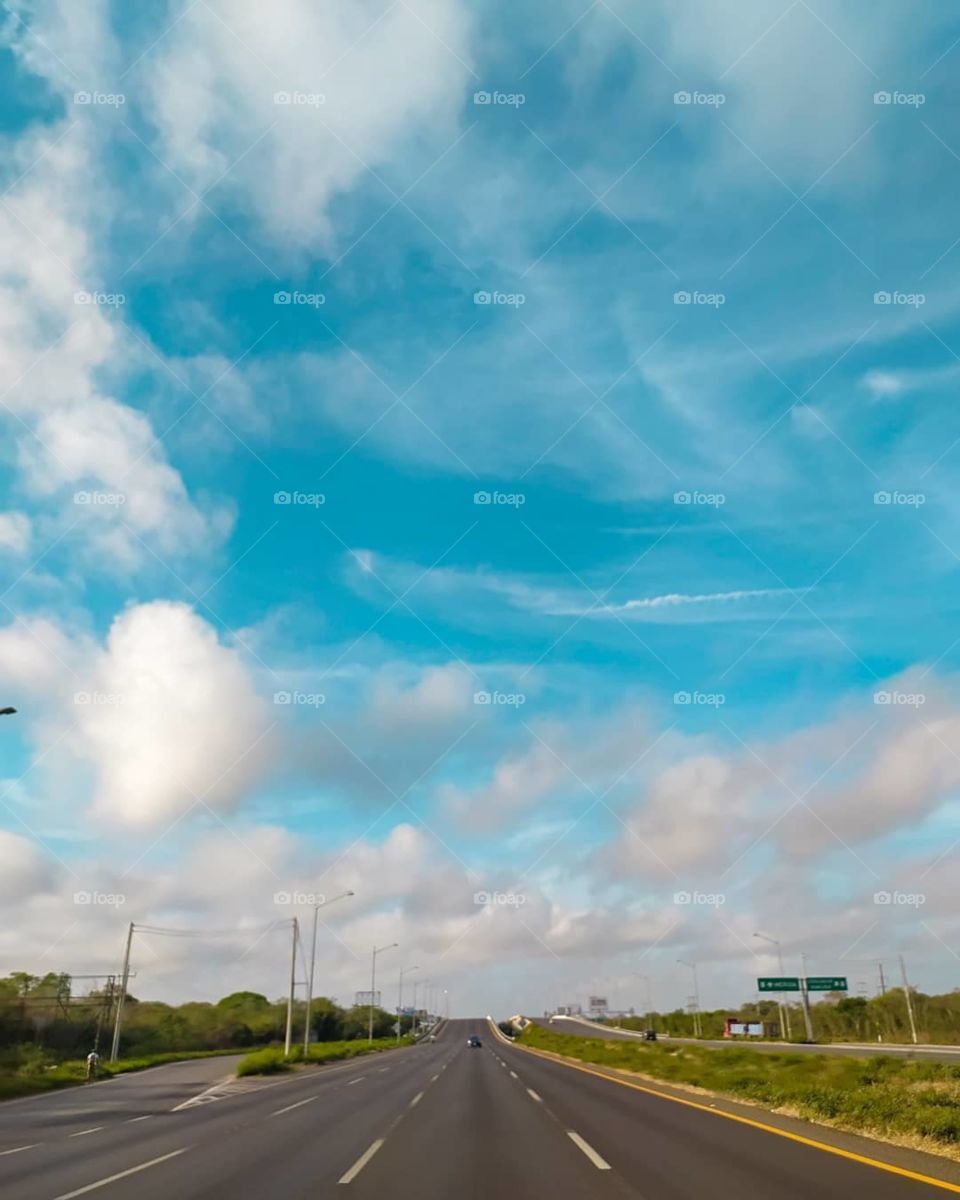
(431, 1122)
(579, 1027)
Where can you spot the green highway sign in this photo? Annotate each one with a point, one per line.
(778, 983)
(827, 983)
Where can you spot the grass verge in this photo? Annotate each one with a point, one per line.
(912, 1103)
(74, 1071)
(271, 1059)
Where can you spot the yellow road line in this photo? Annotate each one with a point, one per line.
(784, 1133)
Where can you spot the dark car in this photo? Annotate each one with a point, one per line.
(474, 1042)
(649, 1035)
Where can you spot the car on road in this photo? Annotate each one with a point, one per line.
(649, 1035)
(474, 1042)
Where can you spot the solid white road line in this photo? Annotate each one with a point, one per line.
(291, 1107)
(84, 1132)
(17, 1149)
(131, 1120)
(359, 1079)
(120, 1175)
(350, 1175)
(598, 1162)
(416, 1100)
(533, 1094)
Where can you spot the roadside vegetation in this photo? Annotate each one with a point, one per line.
(271, 1059)
(915, 1103)
(48, 1025)
(836, 1018)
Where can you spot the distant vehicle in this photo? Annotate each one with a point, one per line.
(474, 1042)
(649, 1035)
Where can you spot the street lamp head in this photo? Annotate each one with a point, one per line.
(7, 712)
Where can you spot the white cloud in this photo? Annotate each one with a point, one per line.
(389, 75)
(15, 532)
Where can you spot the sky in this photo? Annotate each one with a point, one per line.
(496, 459)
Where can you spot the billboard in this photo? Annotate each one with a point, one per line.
(365, 999)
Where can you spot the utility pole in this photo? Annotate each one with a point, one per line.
(403, 971)
(115, 1048)
(883, 982)
(909, 999)
(293, 983)
(697, 1024)
(783, 1005)
(805, 999)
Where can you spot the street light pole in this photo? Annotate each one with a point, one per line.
(288, 1037)
(313, 959)
(373, 983)
(403, 971)
(784, 1010)
(697, 1026)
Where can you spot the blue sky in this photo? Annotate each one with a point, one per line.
(607, 356)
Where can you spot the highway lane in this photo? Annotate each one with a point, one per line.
(157, 1089)
(579, 1027)
(433, 1122)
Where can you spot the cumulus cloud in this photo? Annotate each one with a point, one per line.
(304, 102)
